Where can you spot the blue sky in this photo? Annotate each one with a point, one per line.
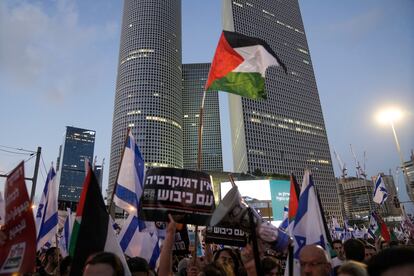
(58, 65)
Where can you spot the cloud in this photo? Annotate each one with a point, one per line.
(360, 25)
(48, 49)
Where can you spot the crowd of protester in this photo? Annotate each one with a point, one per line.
(354, 257)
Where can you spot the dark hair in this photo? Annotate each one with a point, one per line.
(65, 264)
(390, 258)
(213, 270)
(138, 264)
(269, 263)
(50, 252)
(109, 259)
(370, 246)
(232, 255)
(336, 241)
(354, 250)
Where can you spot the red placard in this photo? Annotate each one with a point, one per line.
(18, 254)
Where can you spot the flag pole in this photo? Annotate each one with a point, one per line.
(117, 173)
(199, 156)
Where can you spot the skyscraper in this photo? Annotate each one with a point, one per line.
(78, 145)
(286, 133)
(194, 79)
(148, 95)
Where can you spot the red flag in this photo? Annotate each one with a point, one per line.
(294, 198)
(18, 254)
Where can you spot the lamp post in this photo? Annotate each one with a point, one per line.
(390, 116)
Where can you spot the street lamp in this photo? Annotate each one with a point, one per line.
(389, 116)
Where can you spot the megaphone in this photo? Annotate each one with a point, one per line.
(233, 211)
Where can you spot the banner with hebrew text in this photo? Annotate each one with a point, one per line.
(186, 195)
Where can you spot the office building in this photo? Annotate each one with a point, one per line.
(148, 95)
(77, 147)
(194, 79)
(409, 176)
(356, 195)
(285, 133)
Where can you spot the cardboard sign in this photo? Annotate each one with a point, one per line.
(186, 195)
(226, 236)
(18, 254)
(182, 242)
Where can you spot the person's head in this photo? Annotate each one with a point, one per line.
(182, 266)
(352, 268)
(212, 270)
(384, 244)
(226, 257)
(52, 257)
(138, 266)
(314, 261)
(103, 264)
(270, 266)
(338, 248)
(369, 252)
(392, 261)
(354, 250)
(64, 266)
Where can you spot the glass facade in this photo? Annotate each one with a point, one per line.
(194, 80)
(78, 145)
(285, 133)
(148, 95)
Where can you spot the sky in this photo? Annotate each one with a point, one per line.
(58, 66)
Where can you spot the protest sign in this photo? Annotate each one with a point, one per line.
(186, 195)
(226, 236)
(182, 242)
(18, 254)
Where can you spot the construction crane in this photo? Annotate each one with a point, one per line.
(360, 172)
(342, 165)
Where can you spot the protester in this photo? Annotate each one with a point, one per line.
(51, 262)
(353, 268)
(339, 250)
(314, 261)
(270, 266)
(369, 252)
(212, 270)
(103, 264)
(139, 266)
(165, 267)
(354, 250)
(228, 260)
(395, 261)
(64, 266)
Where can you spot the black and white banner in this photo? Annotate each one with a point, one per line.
(226, 236)
(186, 195)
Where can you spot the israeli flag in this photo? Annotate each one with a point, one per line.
(380, 191)
(285, 222)
(47, 212)
(137, 237)
(137, 240)
(131, 177)
(308, 226)
(66, 234)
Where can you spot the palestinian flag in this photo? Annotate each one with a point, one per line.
(92, 230)
(377, 227)
(294, 198)
(239, 65)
